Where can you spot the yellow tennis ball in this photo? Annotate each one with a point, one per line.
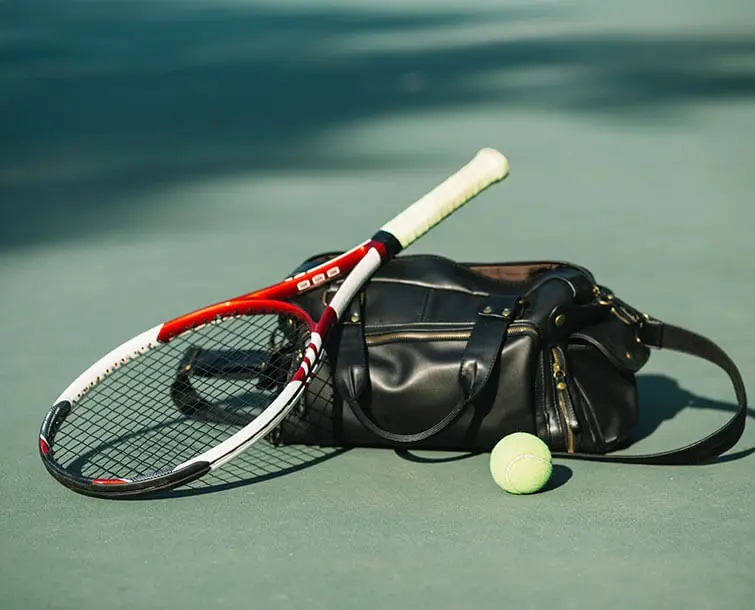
(521, 463)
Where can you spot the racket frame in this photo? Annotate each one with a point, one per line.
(357, 265)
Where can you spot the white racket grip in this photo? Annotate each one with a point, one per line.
(488, 167)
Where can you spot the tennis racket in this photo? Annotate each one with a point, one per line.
(186, 396)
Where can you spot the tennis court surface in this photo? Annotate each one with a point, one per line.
(159, 157)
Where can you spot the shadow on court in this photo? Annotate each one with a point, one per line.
(260, 462)
(102, 103)
(661, 399)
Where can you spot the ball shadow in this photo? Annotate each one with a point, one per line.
(560, 476)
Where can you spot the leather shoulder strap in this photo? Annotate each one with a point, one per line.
(654, 333)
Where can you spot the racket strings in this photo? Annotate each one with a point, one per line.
(180, 398)
(273, 457)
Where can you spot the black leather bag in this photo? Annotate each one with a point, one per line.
(436, 354)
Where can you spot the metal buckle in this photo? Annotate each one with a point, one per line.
(624, 312)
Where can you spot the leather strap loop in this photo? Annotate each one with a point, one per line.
(654, 333)
(351, 373)
(484, 345)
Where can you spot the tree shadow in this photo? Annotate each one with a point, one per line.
(101, 104)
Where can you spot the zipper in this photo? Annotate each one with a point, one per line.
(563, 397)
(437, 335)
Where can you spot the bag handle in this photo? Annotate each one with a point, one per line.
(480, 355)
(654, 333)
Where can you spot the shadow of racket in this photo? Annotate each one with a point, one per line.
(262, 461)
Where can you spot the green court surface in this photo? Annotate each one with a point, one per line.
(155, 157)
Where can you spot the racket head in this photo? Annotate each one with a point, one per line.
(159, 411)
(211, 450)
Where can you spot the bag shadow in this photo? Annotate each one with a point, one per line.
(661, 398)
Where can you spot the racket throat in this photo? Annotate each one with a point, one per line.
(386, 244)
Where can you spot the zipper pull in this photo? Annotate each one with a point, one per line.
(560, 378)
(558, 373)
(562, 387)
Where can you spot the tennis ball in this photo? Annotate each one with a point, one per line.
(521, 463)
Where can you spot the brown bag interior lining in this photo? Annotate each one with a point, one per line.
(513, 272)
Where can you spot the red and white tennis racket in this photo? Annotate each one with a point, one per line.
(188, 395)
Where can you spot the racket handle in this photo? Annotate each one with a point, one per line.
(488, 167)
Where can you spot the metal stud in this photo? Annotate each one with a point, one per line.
(355, 317)
(560, 319)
